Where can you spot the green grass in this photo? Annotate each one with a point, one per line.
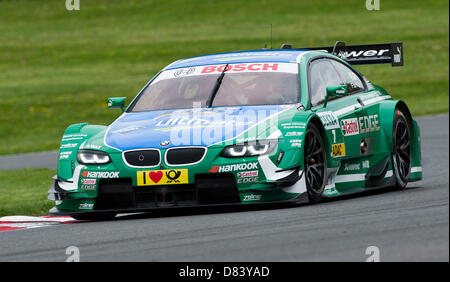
(24, 192)
(58, 67)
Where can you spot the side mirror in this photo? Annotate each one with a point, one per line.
(117, 102)
(335, 91)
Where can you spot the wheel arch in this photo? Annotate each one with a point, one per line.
(405, 110)
(387, 112)
(315, 120)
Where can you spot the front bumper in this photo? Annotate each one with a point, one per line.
(121, 195)
(120, 187)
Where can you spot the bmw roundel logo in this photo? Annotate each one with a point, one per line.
(164, 143)
(183, 72)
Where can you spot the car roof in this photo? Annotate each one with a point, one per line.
(252, 56)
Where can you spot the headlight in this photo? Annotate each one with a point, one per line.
(90, 157)
(251, 149)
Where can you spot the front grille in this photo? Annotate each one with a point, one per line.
(184, 156)
(144, 158)
(207, 189)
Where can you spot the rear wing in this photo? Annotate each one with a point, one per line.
(388, 53)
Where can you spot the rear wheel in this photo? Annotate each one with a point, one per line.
(315, 164)
(401, 143)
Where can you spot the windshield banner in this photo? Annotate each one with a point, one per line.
(232, 68)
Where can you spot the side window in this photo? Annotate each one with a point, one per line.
(350, 78)
(322, 74)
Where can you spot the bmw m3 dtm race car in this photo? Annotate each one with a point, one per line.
(285, 125)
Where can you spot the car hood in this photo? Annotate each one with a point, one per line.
(186, 127)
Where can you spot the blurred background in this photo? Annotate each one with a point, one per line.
(57, 66)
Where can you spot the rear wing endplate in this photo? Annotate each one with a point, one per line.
(388, 53)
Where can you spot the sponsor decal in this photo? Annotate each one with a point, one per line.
(350, 126)
(252, 197)
(329, 120)
(64, 155)
(294, 133)
(183, 72)
(88, 181)
(74, 135)
(89, 146)
(214, 169)
(366, 164)
(244, 174)
(247, 180)
(232, 68)
(365, 53)
(296, 142)
(100, 174)
(340, 91)
(234, 167)
(338, 150)
(241, 67)
(86, 206)
(127, 130)
(330, 191)
(351, 167)
(293, 125)
(369, 124)
(88, 187)
(68, 145)
(162, 177)
(194, 121)
(71, 137)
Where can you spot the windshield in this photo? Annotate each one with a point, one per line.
(243, 84)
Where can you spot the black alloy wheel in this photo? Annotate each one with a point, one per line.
(315, 164)
(401, 143)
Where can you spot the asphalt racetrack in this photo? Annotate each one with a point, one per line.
(409, 225)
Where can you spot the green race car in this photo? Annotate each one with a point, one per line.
(285, 125)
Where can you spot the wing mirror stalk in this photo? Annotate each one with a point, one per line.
(335, 91)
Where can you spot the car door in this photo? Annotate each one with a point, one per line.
(365, 132)
(342, 115)
(358, 120)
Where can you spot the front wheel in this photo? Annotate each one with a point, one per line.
(315, 162)
(401, 143)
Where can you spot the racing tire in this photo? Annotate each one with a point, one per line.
(401, 147)
(95, 216)
(315, 161)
